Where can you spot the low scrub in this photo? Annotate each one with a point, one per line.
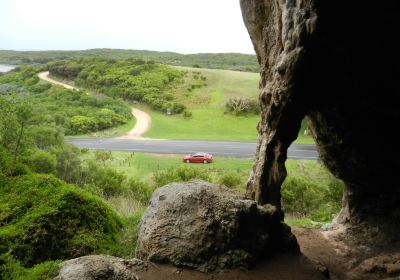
(230, 179)
(241, 105)
(74, 112)
(303, 198)
(180, 174)
(11, 269)
(134, 80)
(44, 219)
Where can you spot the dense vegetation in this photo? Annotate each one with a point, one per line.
(228, 61)
(59, 202)
(42, 218)
(72, 112)
(135, 80)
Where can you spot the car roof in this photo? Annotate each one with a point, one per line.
(201, 154)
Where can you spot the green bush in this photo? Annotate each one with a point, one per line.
(180, 174)
(44, 219)
(68, 166)
(178, 108)
(39, 87)
(187, 114)
(42, 162)
(302, 198)
(230, 179)
(46, 137)
(11, 269)
(139, 190)
(83, 124)
(108, 180)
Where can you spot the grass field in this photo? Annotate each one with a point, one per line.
(142, 166)
(209, 122)
(149, 167)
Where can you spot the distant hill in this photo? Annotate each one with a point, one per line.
(229, 61)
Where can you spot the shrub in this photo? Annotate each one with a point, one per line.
(45, 137)
(139, 190)
(82, 124)
(39, 87)
(300, 196)
(68, 166)
(11, 269)
(187, 114)
(108, 180)
(42, 162)
(180, 174)
(230, 180)
(178, 108)
(241, 105)
(44, 219)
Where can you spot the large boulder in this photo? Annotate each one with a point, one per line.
(210, 227)
(100, 268)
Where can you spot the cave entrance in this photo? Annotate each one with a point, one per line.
(311, 195)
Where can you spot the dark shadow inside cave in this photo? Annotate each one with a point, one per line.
(335, 63)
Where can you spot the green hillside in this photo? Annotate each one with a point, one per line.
(229, 61)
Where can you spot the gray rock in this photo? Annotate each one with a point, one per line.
(209, 227)
(100, 268)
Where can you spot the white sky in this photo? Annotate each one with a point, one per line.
(185, 26)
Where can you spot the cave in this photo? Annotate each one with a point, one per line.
(334, 63)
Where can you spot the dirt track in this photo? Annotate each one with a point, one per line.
(143, 120)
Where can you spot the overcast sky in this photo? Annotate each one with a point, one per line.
(185, 26)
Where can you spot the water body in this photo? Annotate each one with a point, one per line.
(6, 68)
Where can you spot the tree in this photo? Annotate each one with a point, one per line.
(15, 116)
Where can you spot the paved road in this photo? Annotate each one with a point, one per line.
(217, 148)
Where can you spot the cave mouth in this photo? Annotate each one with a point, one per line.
(317, 60)
(335, 63)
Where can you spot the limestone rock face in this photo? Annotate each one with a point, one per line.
(209, 227)
(335, 63)
(100, 268)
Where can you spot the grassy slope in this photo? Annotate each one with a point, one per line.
(208, 105)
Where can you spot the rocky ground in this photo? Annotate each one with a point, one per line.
(321, 258)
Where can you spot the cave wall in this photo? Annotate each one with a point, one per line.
(336, 63)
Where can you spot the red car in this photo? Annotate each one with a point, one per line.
(198, 157)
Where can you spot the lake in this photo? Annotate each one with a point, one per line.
(6, 68)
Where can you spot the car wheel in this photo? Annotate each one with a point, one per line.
(205, 161)
(187, 161)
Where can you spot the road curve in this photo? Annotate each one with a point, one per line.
(143, 123)
(45, 77)
(217, 148)
(143, 120)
